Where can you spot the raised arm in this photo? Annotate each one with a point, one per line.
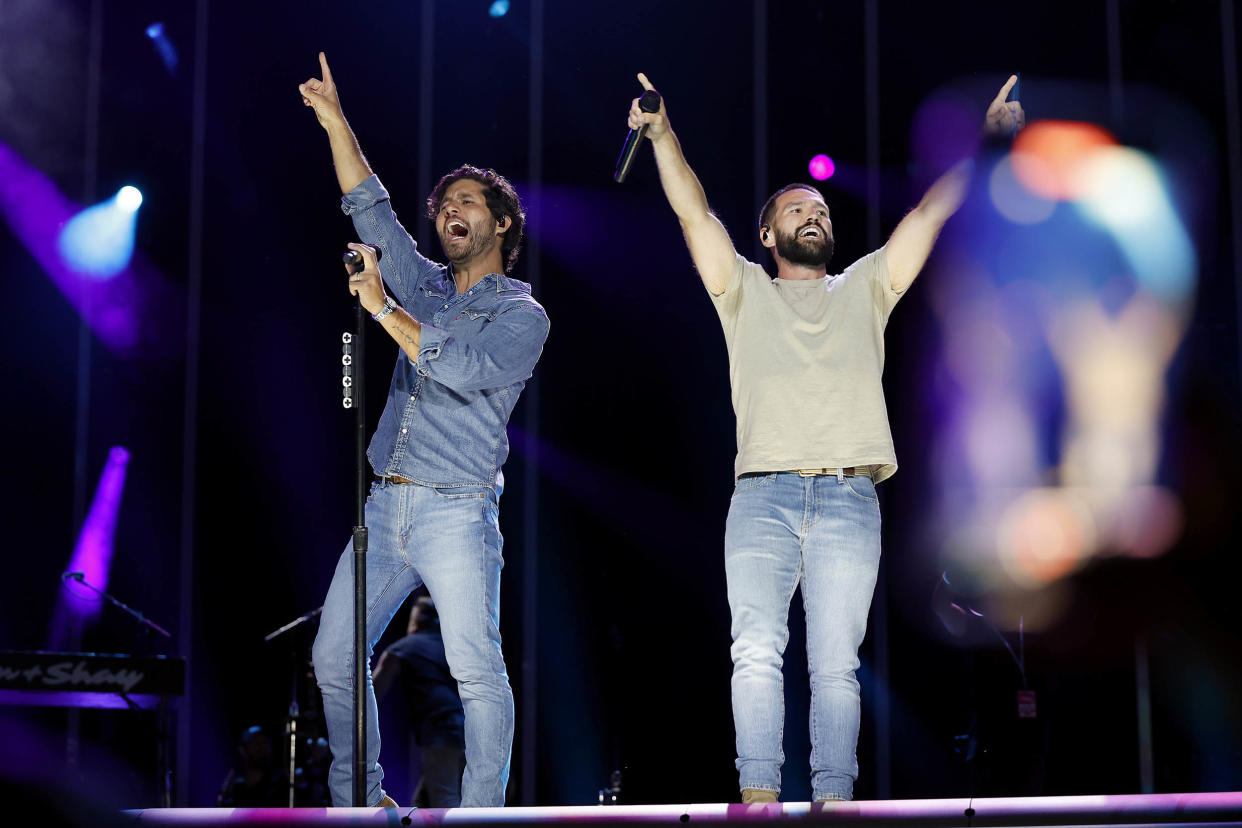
(912, 241)
(710, 247)
(351, 167)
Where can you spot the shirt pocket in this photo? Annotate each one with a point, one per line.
(471, 321)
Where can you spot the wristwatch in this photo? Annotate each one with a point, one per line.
(389, 307)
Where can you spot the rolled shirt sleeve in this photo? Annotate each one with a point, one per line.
(504, 352)
(401, 265)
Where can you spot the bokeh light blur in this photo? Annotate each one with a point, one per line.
(821, 167)
(1060, 315)
(1047, 156)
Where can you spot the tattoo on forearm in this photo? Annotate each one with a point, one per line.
(406, 330)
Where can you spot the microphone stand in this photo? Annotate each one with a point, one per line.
(291, 724)
(147, 623)
(162, 769)
(354, 262)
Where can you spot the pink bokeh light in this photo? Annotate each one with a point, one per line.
(821, 167)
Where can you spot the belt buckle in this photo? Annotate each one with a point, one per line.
(812, 472)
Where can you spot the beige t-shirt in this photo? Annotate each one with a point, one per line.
(805, 359)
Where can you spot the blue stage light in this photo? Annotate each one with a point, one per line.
(129, 198)
(99, 241)
(499, 8)
(163, 46)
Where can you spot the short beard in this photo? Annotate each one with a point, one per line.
(805, 252)
(477, 243)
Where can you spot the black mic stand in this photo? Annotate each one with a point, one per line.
(357, 401)
(146, 625)
(956, 614)
(291, 723)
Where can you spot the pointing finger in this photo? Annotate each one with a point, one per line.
(1004, 92)
(643, 80)
(323, 64)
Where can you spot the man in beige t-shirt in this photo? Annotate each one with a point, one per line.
(806, 353)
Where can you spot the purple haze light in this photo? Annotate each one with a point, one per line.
(821, 167)
(135, 311)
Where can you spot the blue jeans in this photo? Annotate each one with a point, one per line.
(823, 534)
(450, 540)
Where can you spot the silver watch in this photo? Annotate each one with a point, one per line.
(389, 307)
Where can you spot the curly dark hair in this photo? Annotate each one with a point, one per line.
(502, 200)
(765, 215)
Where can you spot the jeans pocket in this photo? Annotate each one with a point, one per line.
(862, 487)
(753, 482)
(458, 492)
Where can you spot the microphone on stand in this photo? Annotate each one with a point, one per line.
(354, 261)
(73, 576)
(649, 102)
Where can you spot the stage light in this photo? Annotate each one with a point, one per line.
(92, 555)
(163, 46)
(99, 241)
(821, 167)
(499, 8)
(129, 198)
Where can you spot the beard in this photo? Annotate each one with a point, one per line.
(805, 252)
(478, 239)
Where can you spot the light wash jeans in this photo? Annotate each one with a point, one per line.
(823, 534)
(448, 539)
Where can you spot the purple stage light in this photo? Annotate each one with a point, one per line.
(822, 167)
(92, 556)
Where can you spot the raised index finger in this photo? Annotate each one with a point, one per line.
(323, 64)
(643, 80)
(1004, 92)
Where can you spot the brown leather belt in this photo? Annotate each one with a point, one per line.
(848, 471)
(395, 478)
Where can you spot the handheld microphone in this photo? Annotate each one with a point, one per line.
(649, 102)
(354, 261)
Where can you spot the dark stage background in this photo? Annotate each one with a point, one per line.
(238, 496)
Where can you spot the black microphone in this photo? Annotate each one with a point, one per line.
(355, 262)
(73, 576)
(649, 102)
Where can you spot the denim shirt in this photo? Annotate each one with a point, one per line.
(444, 422)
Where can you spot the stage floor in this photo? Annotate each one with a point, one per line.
(1214, 809)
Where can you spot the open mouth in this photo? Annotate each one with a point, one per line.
(457, 229)
(811, 232)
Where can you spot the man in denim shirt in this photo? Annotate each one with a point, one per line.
(470, 337)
